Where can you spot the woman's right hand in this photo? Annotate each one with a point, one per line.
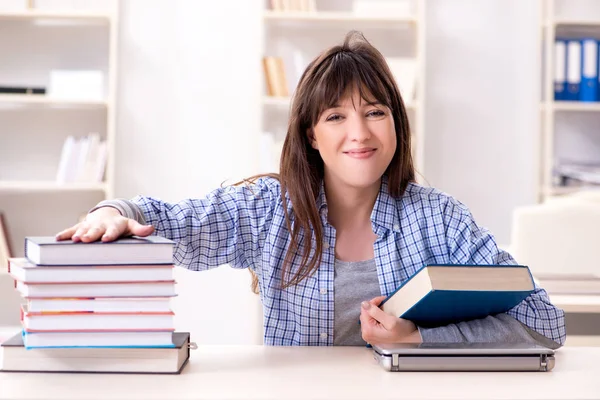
(106, 224)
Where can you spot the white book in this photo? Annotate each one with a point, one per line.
(87, 168)
(573, 62)
(47, 250)
(24, 270)
(138, 360)
(65, 156)
(100, 304)
(100, 166)
(103, 289)
(98, 339)
(86, 321)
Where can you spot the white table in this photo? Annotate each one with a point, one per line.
(262, 372)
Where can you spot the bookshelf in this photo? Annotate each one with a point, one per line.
(568, 128)
(297, 36)
(43, 37)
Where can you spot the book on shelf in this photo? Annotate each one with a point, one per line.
(151, 360)
(47, 250)
(5, 251)
(99, 304)
(24, 270)
(293, 5)
(572, 173)
(275, 77)
(82, 159)
(442, 294)
(22, 90)
(576, 69)
(97, 289)
(46, 321)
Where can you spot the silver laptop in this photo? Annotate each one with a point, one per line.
(464, 357)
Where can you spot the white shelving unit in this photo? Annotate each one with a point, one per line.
(568, 128)
(34, 127)
(310, 32)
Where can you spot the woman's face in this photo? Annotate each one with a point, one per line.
(356, 140)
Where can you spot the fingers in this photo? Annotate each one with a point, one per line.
(377, 300)
(67, 233)
(93, 233)
(137, 229)
(388, 321)
(111, 233)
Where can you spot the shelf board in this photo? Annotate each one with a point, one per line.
(43, 100)
(563, 190)
(54, 15)
(575, 23)
(284, 102)
(572, 106)
(50, 186)
(332, 16)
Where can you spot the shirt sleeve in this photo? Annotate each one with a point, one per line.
(535, 316)
(228, 226)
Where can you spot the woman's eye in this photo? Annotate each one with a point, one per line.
(376, 113)
(334, 117)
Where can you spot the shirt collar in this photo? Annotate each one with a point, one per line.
(385, 211)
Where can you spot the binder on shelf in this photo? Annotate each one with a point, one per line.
(588, 90)
(560, 69)
(573, 69)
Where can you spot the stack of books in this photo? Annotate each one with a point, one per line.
(96, 307)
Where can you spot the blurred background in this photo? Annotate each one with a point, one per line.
(105, 98)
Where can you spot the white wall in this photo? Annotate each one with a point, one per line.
(189, 104)
(482, 105)
(188, 107)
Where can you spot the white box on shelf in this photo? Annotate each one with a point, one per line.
(76, 85)
(13, 5)
(382, 8)
(405, 71)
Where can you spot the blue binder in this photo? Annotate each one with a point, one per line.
(588, 90)
(573, 69)
(560, 69)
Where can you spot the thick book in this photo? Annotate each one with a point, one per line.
(438, 295)
(100, 304)
(24, 270)
(33, 340)
(95, 321)
(96, 289)
(137, 360)
(46, 250)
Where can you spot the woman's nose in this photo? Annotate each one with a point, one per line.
(358, 130)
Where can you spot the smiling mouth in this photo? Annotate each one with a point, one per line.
(360, 151)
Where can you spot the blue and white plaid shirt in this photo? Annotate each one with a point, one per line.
(245, 227)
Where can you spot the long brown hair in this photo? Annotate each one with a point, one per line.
(355, 64)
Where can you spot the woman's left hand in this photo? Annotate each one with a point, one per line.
(379, 327)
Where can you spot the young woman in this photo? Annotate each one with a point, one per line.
(341, 226)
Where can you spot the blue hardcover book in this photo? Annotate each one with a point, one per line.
(573, 69)
(560, 69)
(438, 295)
(588, 90)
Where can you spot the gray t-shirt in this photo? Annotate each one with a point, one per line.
(353, 283)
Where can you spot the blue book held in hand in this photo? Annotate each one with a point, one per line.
(438, 295)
